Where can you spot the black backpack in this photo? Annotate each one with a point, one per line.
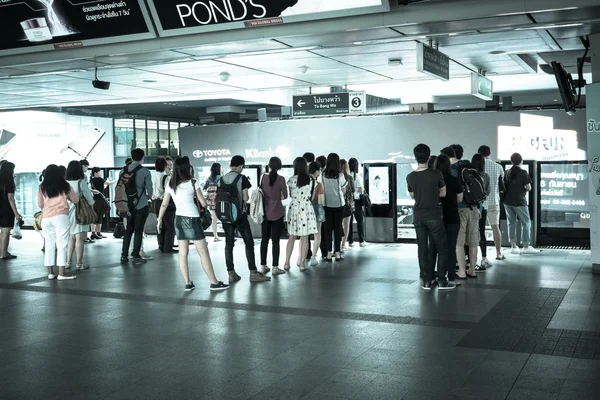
(227, 202)
(473, 186)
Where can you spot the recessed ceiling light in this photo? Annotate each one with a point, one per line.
(497, 52)
(555, 99)
(149, 81)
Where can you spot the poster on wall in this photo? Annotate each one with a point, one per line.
(593, 128)
(63, 24)
(379, 185)
(194, 16)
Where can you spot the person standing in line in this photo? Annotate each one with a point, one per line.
(314, 170)
(99, 186)
(492, 203)
(75, 178)
(334, 187)
(138, 215)
(478, 162)
(359, 190)
(210, 187)
(468, 235)
(166, 237)
(8, 207)
(242, 226)
(322, 160)
(310, 158)
(53, 196)
(183, 191)
(301, 214)
(426, 186)
(85, 164)
(518, 185)
(454, 195)
(275, 190)
(349, 200)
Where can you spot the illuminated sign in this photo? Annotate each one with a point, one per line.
(482, 87)
(433, 62)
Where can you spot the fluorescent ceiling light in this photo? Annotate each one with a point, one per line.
(277, 51)
(549, 27)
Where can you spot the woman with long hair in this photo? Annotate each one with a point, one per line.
(334, 188)
(349, 198)
(54, 195)
(478, 162)
(359, 190)
(275, 190)
(8, 207)
(211, 187)
(314, 169)
(302, 221)
(76, 178)
(188, 225)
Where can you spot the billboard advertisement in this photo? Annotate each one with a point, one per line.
(38, 25)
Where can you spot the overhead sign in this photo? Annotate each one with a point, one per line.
(38, 25)
(482, 87)
(177, 17)
(433, 62)
(329, 104)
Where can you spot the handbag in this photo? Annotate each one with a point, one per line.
(37, 221)
(16, 231)
(84, 211)
(205, 217)
(319, 210)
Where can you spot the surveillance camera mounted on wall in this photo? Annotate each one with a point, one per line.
(98, 84)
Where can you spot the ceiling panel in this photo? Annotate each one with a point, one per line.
(482, 38)
(340, 38)
(367, 49)
(577, 14)
(124, 59)
(465, 25)
(61, 66)
(233, 48)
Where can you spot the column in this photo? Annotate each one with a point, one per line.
(593, 127)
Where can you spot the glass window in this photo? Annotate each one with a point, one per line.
(174, 143)
(153, 144)
(140, 134)
(163, 138)
(123, 137)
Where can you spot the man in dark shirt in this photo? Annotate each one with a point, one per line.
(243, 226)
(518, 184)
(426, 186)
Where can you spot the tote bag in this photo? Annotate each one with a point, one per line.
(84, 211)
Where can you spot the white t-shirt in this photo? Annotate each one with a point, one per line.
(184, 200)
(358, 184)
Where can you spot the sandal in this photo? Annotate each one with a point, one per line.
(501, 258)
(303, 269)
(277, 271)
(8, 257)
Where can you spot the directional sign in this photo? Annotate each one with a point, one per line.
(329, 104)
(482, 87)
(433, 62)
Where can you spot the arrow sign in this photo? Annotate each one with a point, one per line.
(329, 104)
(301, 103)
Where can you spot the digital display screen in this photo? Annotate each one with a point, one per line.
(564, 196)
(379, 185)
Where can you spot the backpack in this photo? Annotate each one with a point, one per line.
(84, 211)
(473, 186)
(126, 194)
(228, 206)
(257, 204)
(211, 188)
(349, 197)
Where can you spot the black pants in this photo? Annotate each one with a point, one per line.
(452, 237)
(166, 236)
(360, 222)
(323, 246)
(271, 230)
(243, 227)
(483, 240)
(432, 233)
(334, 228)
(135, 224)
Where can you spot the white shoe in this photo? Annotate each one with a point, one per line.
(51, 277)
(363, 244)
(66, 277)
(82, 267)
(313, 263)
(531, 250)
(515, 250)
(351, 244)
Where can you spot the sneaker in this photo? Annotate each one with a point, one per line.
(446, 286)
(138, 260)
(190, 287)
(480, 268)
(256, 276)
(124, 260)
(426, 286)
(530, 250)
(515, 250)
(82, 267)
(265, 270)
(66, 277)
(217, 287)
(456, 284)
(351, 244)
(363, 244)
(146, 257)
(313, 262)
(278, 271)
(486, 263)
(51, 277)
(88, 240)
(234, 277)
(68, 266)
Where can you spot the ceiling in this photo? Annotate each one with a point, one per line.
(266, 72)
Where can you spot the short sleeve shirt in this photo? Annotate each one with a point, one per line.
(98, 184)
(515, 180)
(243, 183)
(450, 202)
(426, 185)
(495, 171)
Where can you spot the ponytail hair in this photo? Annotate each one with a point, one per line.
(274, 166)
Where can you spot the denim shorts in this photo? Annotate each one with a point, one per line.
(187, 228)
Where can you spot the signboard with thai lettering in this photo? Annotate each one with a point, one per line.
(329, 104)
(433, 62)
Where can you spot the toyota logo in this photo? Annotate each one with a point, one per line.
(198, 154)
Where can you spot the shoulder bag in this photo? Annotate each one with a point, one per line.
(205, 217)
(84, 212)
(319, 210)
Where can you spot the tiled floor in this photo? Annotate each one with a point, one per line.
(362, 329)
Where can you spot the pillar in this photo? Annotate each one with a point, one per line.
(593, 128)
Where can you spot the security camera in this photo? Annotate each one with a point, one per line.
(98, 84)
(304, 69)
(224, 76)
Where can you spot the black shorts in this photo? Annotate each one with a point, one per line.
(100, 207)
(187, 228)
(7, 219)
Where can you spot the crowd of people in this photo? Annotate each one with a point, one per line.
(453, 199)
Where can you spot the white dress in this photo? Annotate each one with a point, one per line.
(87, 193)
(301, 214)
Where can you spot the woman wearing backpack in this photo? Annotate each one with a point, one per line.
(75, 178)
(210, 187)
(54, 195)
(478, 163)
(275, 190)
(349, 206)
(187, 196)
(302, 221)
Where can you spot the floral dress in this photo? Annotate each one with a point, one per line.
(301, 214)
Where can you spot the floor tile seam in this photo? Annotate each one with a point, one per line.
(343, 315)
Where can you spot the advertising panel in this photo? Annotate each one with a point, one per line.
(63, 24)
(564, 196)
(379, 185)
(593, 128)
(195, 16)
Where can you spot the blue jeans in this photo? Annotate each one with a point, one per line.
(432, 232)
(521, 214)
